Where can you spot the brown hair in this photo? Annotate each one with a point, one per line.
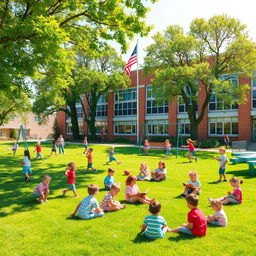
(163, 163)
(193, 172)
(154, 207)
(116, 187)
(235, 180)
(191, 141)
(216, 203)
(111, 170)
(130, 179)
(192, 199)
(72, 164)
(92, 189)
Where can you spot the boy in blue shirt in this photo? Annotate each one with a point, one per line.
(109, 180)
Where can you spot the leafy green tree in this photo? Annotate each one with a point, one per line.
(212, 48)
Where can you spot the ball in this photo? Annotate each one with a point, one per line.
(126, 172)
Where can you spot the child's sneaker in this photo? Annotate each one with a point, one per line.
(225, 181)
(183, 195)
(209, 199)
(95, 171)
(196, 159)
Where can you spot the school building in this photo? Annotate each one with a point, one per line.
(117, 114)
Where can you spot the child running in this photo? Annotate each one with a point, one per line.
(42, 190)
(109, 179)
(54, 148)
(38, 150)
(223, 159)
(193, 186)
(70, 171)
(160, 173)
(26, 165)
(168, 146)
(133, 194)
(154, 226)
(108, 203)
(196, 225)
(89, 164)
(219, 218)
(144, 174)
(110, 154)
(192, 152)
(14, 148)
(89, 207)
(85, 145)
(233, 198)
(146, 147)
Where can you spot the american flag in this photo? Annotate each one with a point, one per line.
(131, 61)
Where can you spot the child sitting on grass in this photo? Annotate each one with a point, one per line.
(90, 157)
(144, 174)
(70, 171)
(38, 150)
(168, 146)
(154, 226)
(110, 154)
(42, 190)
(196, 225)
(233, 198)
(223, 159)
(193, 186)
(133, 194)
(26, 165)
(109, 180)
(160, 173)
(108, 203)
(89, 207)
(219, 218)
(146, 147)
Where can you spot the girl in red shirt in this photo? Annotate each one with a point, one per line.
(70, 171)
(38, 150)
(192, 152)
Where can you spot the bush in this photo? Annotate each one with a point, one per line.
(121, 140)
(173, 140)
(13, 134)
(210, 143)
(56, 130)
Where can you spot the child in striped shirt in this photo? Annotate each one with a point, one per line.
(108, 203)
(154, 225)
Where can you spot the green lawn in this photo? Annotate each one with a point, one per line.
(28, 228)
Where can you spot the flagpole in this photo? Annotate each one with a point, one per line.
(138, 129)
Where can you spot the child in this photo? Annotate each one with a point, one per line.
(196, 225)
(38, 150)
(89, 207)
(85, 145)
(191, 154)
(219, 218)
(193, 186)
(154, 226)
(70, 171)
(26, 165)
(133, 194)
(168, 146)
(160, 173)
(223, 159)
(108, 203)
(14, 148)
(144, 174)
(54, 150)
(111, 156)
(233, 198)
(109, 179)
(89, 157)
(42, 190)
(146, 147)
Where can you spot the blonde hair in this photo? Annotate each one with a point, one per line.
(191, 141)
(47, 177)
(216, 203)
(236, 180)
(223, 149)
(167, 140)
(145, 165)
(193, 172)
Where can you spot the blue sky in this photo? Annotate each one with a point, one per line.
(182, 12)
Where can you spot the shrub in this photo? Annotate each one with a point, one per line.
(210, 143)
(13, 134)
(56, 130)
(121, 140)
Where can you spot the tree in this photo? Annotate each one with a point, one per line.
(12, 105)
(181, 62)
(35, 35)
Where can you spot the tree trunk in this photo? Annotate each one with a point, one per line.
(92, 115)
(194, 131)
(74, 120)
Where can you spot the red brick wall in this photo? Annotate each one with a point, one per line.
(61, 121)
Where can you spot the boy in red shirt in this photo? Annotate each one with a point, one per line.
(38, 150)
(70, 171)
(196, 225)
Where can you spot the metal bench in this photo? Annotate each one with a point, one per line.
(251, 167)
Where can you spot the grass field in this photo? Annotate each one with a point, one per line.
(28, 228)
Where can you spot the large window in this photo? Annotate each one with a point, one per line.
(79, 111)
(69, 127)
(182, 108)
(185, 127)
(125, 102)
(125, 128)
(222, 127)
(152, 107)
(101, 126)
(218, 105)
(157, 127)
(254, 91)
(102, 106)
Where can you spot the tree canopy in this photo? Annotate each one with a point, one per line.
(211, 53)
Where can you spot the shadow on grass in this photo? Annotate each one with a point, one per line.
(241, 173)
(182, 237)
(140, 238)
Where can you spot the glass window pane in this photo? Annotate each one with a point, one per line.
(235, 128)
(227, 128)
(219, 128)
(212, 128)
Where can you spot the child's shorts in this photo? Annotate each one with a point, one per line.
(186, 231)
(89, 165)
(146, 148)
(72, 187)
(37, 194)
(86, 146)
(167, 152)
(26, 169)
(53, 149)
(222, 170)
(233, 200)
(112, 158)
(38, 154)
(216, 223)
(192, 153)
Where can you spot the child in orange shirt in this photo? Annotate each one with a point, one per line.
(89, 157)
